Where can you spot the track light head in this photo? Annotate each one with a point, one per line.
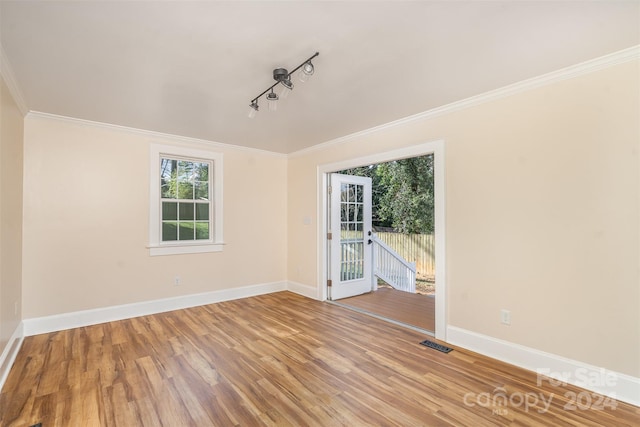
(272, 100)
(287, 83)
(307, 71)
(282, 75)
(287, 87)
(253, 108)
(307, 68)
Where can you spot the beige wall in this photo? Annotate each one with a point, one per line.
(542, 214)
(542, 217)
(86, 221)
(11, 136)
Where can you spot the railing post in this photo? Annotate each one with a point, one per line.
(374, 263)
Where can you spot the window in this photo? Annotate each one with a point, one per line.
(184, 195)
(185, 214)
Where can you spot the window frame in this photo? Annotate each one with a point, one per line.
(215, 242)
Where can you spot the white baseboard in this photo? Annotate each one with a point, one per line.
(59, 322)
(550, 367)
(10, 352)
(304, 290)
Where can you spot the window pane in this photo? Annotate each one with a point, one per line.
(186, 211)
(185, 190)
(185, 231)
(168, 169)
(201, 172)
(202, 230)
(168, 190)
(168, 178)
(169, 211)
(202, 211)
(169, 231)
(185, 170)
(202, 190)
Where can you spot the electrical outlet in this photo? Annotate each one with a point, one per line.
(505, 317)
(177, 281)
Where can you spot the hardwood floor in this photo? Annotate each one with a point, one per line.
(404, 307)
(273, 360)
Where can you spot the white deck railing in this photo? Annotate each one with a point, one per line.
(392, 268)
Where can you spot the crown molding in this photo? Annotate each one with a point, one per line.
(593, 65)
(155, 136)
(7, 74)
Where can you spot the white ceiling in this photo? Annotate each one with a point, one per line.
(191, 68)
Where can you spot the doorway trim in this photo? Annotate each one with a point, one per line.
(432, 147)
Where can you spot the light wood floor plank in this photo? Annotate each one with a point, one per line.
(271, 360)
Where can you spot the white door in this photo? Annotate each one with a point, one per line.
(350, 226)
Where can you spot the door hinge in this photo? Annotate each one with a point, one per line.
(329, 189)
(329, 283)
(329, 236)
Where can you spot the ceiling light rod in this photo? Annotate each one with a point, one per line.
(281, 74)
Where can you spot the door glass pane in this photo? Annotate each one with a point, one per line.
(351, 232)
(352, 264)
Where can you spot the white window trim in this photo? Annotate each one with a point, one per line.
(156, 247)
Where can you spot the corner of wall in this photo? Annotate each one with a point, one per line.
(10, 353)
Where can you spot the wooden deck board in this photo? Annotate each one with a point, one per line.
(270, 360)
(404, 307)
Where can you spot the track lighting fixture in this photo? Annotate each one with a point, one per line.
(283, 78)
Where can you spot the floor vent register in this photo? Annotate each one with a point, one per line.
(436, 346)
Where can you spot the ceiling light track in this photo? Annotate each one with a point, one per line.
(283, 78)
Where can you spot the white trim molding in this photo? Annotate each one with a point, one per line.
(156, 136)
(10, 352)
(78, 319)
(551, 368)
(593, 65)
(304, 290)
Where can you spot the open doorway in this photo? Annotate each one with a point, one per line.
(381, 249)
(343, 228)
